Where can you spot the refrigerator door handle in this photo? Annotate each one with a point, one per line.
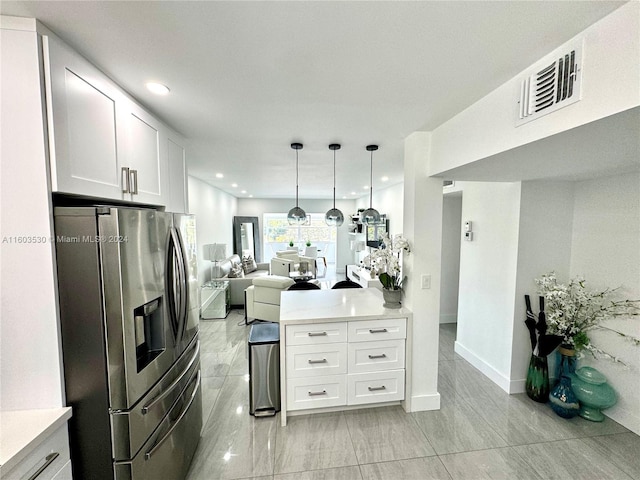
(173, 283)
(175, 383)
(159, 443)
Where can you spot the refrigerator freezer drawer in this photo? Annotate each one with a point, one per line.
(169, 452)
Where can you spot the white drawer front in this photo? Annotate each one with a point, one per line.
(375, 387)
(373, 330)
(57, 443)
(316, 392)
(312, 334)
(376, 356)
(314, 360)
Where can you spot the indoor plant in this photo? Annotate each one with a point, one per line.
(386, 263)
(573, 310)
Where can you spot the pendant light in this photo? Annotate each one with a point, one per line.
(371, 216)
(334, 217)
(296, 215)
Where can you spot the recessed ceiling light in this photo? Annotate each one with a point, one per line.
(243, 191)
(385, 179)
(219, 175)
(157, 88)
(366, 187)
(353, 193)
(234, 185)
(344, 196)
(250, 196)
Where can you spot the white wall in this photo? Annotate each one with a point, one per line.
(214, 211)
(256, 207)
(544, 245)
(610, 85)
(488, 278)
(451, 232)
(606, 251)
(31, 368)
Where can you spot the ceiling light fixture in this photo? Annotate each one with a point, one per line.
(219, 175)
(234, 185)
(157, 88)
(385, 179)
(296, 215)
(334, 217)
(371, 216)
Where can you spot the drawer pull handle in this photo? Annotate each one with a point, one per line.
(374, 389)
(47, 461)
(317, 334)
(378, 356)
(379, 330)
(324, 360)
(315, 394)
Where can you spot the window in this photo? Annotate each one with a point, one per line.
(278, 233)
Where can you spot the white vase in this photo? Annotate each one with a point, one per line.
(391, 298)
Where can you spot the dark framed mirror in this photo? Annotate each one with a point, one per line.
(374, 231)
(246, 237)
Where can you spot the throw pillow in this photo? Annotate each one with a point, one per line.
(249, 264)
(236, 272)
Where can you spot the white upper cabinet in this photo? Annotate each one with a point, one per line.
(84, 117)
(102, 143)
(177, 176)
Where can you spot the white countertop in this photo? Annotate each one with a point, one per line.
(315, 306)
(23, 430)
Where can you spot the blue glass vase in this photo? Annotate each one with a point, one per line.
(562, 399)
(566, 361)
(537, 383)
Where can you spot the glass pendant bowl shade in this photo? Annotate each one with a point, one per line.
(296, 215)
(334, 217)
(370, 216)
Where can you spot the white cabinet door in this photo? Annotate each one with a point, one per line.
(146, 156)
(85, 119)
(177, 169)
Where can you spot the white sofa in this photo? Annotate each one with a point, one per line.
(287, 261)
(237, 286)
(263, 297)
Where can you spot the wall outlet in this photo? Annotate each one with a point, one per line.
(425, 282)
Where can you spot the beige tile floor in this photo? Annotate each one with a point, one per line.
(479, 433)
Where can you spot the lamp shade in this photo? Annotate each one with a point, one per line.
(215, 251)
(371, 216)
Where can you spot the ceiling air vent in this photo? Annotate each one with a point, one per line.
(552, 85)
(447, 183)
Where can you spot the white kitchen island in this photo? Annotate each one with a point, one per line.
(341, 349)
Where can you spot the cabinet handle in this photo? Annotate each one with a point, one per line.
(126, 180)
(317, 334)
(374, 389)
(324, 360)
(379, 330)
(378, 356)
(313, 394)
(134, 182)
(47, 461)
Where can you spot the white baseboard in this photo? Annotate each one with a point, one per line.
(490, 372)
(421, 403)
(448, 318)
(624, 418)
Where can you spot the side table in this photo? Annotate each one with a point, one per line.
(215, 300)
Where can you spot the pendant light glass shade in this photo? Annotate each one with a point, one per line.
(370, 216)
(334, 217)
(296, 215)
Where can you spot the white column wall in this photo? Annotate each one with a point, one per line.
(423, 229)
(451, 233)
(488, 278)
(31, 363)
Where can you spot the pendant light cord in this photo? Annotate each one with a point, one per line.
(334, 179)
(296, 178)
(371, 183)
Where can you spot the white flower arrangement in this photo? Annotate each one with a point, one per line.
(385, 261)
(572, 310)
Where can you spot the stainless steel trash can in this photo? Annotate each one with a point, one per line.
(264, 369)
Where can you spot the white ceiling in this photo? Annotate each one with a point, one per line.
(249, 78)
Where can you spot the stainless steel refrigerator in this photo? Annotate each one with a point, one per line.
(129, 320)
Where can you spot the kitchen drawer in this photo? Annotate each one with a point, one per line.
(374, 356)
(312, 334)
(374, 330)
(56, 443)
(316, 392)
(375, 387)
(315, 360)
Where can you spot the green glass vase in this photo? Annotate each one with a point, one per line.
(537, 383)
(593, 392)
